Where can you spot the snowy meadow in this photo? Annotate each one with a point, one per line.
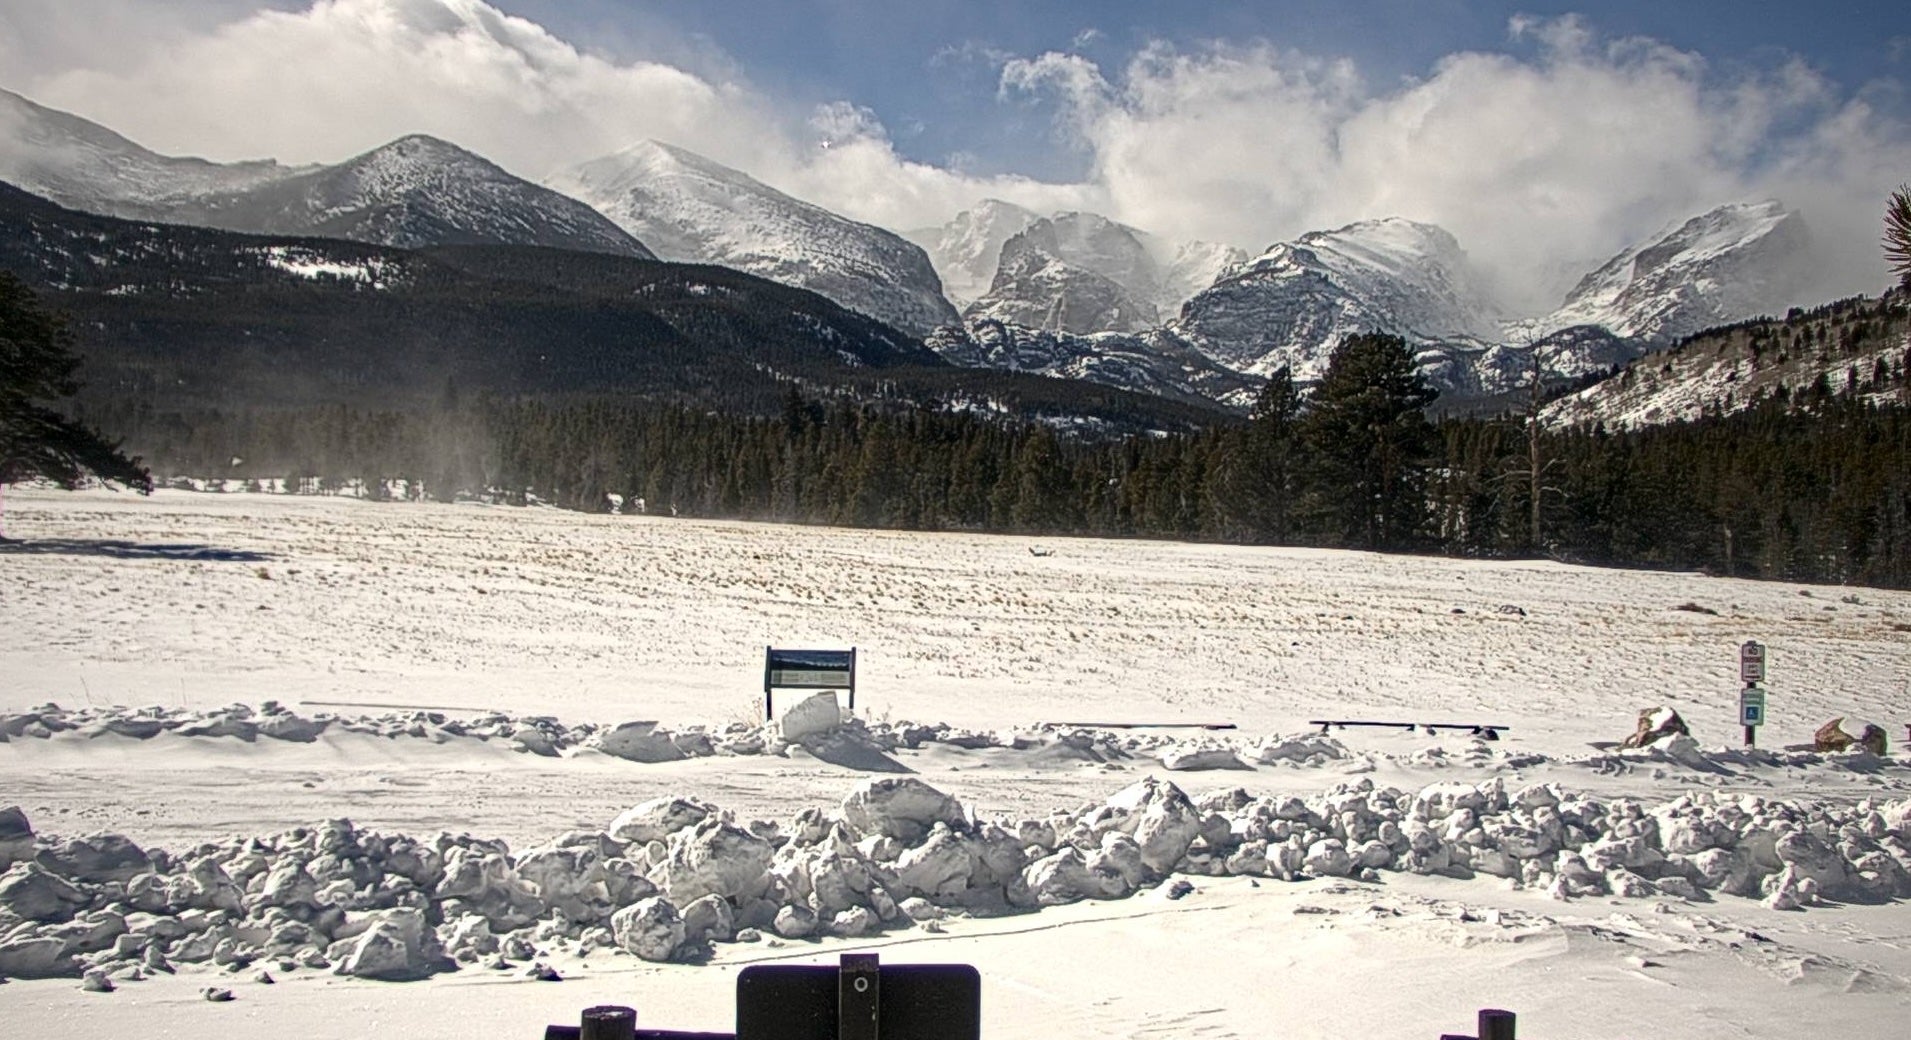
(546, 731)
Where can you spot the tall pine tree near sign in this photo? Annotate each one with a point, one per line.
(37, 366)
(1369, 446)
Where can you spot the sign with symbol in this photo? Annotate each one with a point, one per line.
(1751, 662)
(1751, 706)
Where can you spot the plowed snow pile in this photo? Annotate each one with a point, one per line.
(269, 756)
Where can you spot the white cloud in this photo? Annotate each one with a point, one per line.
(339, 77)
(1539, 165)
(1541, 160)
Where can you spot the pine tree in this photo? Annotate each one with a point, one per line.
(1369, 445)
(38, 367)
(1269, 460)
(1897, 234)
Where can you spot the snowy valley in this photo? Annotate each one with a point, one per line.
(576, 702)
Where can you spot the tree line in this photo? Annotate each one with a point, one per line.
(1811, 488)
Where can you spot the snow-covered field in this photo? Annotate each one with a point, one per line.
(373, 613)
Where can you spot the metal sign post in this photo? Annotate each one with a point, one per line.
(1751, 700)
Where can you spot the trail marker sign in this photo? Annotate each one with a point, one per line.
(1751, 707)
(1751, 662)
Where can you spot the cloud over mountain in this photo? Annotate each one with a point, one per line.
(1550, 152)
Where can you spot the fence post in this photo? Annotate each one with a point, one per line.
(1496, 1024)
(608, 1022)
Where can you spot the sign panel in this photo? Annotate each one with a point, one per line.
(810, 669)
(1751, 662)
(1751, 706)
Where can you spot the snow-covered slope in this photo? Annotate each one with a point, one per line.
(83, 165)
(1295, 303)
(1732, 263)
(1858, 347)
(1191, 269)
(967, 250)
(416, 191)
(689, 208)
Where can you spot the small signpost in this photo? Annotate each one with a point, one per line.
(807, 670)
(1751, 700)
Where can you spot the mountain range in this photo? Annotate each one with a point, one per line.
(1070, 295)
(182, 318)
(415, 191)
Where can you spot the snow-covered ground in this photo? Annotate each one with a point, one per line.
(191, 602)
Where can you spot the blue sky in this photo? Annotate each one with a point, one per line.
(930, 69)
(1545, 136)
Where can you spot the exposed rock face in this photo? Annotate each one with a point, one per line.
(1152, 361)
(1076, 273)
(967, 250)
(1832, 737)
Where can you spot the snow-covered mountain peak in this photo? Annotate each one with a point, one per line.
(1730, 263)
(414, 191)
(415, 160)
(1297, 301)
(691, 208)
(79, 163)
(650, 159)
(967, 250)
(1392, 245)
(1094, 243)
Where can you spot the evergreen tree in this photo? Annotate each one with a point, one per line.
(37, 368)
(1268, 463)
(1897, 234)
(1369, 445)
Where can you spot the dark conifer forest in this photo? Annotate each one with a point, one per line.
(1815, 489)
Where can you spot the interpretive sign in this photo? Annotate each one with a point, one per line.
(808, 670)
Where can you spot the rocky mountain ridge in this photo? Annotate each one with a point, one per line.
(690, 208)
(416, 191)
(1068, 292)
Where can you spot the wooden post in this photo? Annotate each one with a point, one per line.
(1496, 1024)
(609, 1022)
